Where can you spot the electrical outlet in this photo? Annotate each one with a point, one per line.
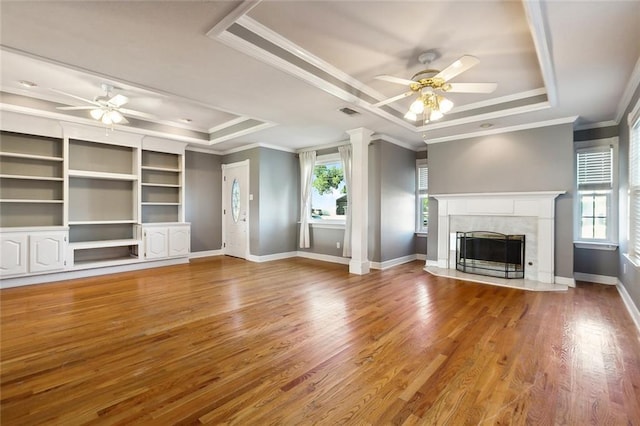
(338, 244)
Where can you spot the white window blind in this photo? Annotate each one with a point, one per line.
(634, 189)
(423, 179)
(595, 168)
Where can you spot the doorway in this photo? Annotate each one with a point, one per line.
(235, 209)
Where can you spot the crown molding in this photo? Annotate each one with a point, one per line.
(609, 123)
(203, 150)
(242, 132)
(391, 139)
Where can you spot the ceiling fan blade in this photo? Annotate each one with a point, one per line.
(472, 87)
(458, 67)
(73, 108)
(75, 97)
(124, 121)
(137, 114)
(393, 99)
(397, 80)
(118, 100)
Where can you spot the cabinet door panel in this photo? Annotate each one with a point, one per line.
(46, 251)
(179, 240)
(156, 243)
(13, 254)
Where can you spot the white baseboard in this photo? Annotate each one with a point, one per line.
(598, 279)
(324, 257)
(270, 257)
(421, 256)
(628, 302)
(565, 281)
(85, 273)
(206, 253)
(393, 262)
(432, 263)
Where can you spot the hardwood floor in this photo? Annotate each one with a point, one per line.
(299, 342)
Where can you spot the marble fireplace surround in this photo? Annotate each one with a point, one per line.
(529, 213)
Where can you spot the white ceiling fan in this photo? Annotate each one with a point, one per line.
(106, 108)
(428, 84)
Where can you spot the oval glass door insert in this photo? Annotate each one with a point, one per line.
(235, 200)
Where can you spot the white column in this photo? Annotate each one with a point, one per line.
(359, 200)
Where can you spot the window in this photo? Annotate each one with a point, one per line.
(328, 194)
(422, 197)
(596, 189)
(634, 184)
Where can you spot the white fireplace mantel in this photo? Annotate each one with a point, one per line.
(536, 204)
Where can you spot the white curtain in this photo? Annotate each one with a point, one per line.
(345, 157)
(307, 163)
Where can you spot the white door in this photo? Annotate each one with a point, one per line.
(235, 209)
(46, 251)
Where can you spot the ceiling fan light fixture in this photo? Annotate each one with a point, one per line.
(417, 107)
(435, 115)
(115, 116)
(97, 113)
(445, 104)
(411, 116)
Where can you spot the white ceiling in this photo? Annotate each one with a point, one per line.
(276, 72)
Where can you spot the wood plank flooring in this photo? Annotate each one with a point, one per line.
(298, 341)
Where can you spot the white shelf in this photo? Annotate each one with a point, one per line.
(88, 264)
(30, 156)
(102, 175)
(28, 177)
(100, 222)
(161, 169)
(162, 185)
(146, 203)
(104, 243)
(31, 201)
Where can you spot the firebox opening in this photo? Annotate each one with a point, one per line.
(490, 253)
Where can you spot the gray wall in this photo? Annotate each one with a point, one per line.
(397, 201)
(273, 177)
(591, 261)
(279, 201)
(529, 160)
(630, 279)
(203, 188)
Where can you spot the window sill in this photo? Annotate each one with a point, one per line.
(635, 261)
(326, 224)
(595, 246)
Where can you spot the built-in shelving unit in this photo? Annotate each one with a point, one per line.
(161, 187)
(103, 197)
(75, 197)
(31, 180)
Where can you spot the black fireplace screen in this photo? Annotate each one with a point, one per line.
(490, 253)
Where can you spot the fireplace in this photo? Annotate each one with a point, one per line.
(490, 253)
(528, 213)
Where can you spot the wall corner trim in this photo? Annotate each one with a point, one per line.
(593, 278)
(565, 281)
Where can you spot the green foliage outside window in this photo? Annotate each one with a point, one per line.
(328, 179)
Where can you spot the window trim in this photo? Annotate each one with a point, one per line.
(326, 223)
(420, 194)
(613, 205)
(633, 120)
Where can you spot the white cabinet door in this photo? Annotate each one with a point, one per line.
(46, 251)
(13, 254)
(179, 240)
(156, 242)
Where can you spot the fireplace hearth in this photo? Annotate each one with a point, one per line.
(491, 254)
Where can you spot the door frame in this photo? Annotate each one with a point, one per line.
(226, 207)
